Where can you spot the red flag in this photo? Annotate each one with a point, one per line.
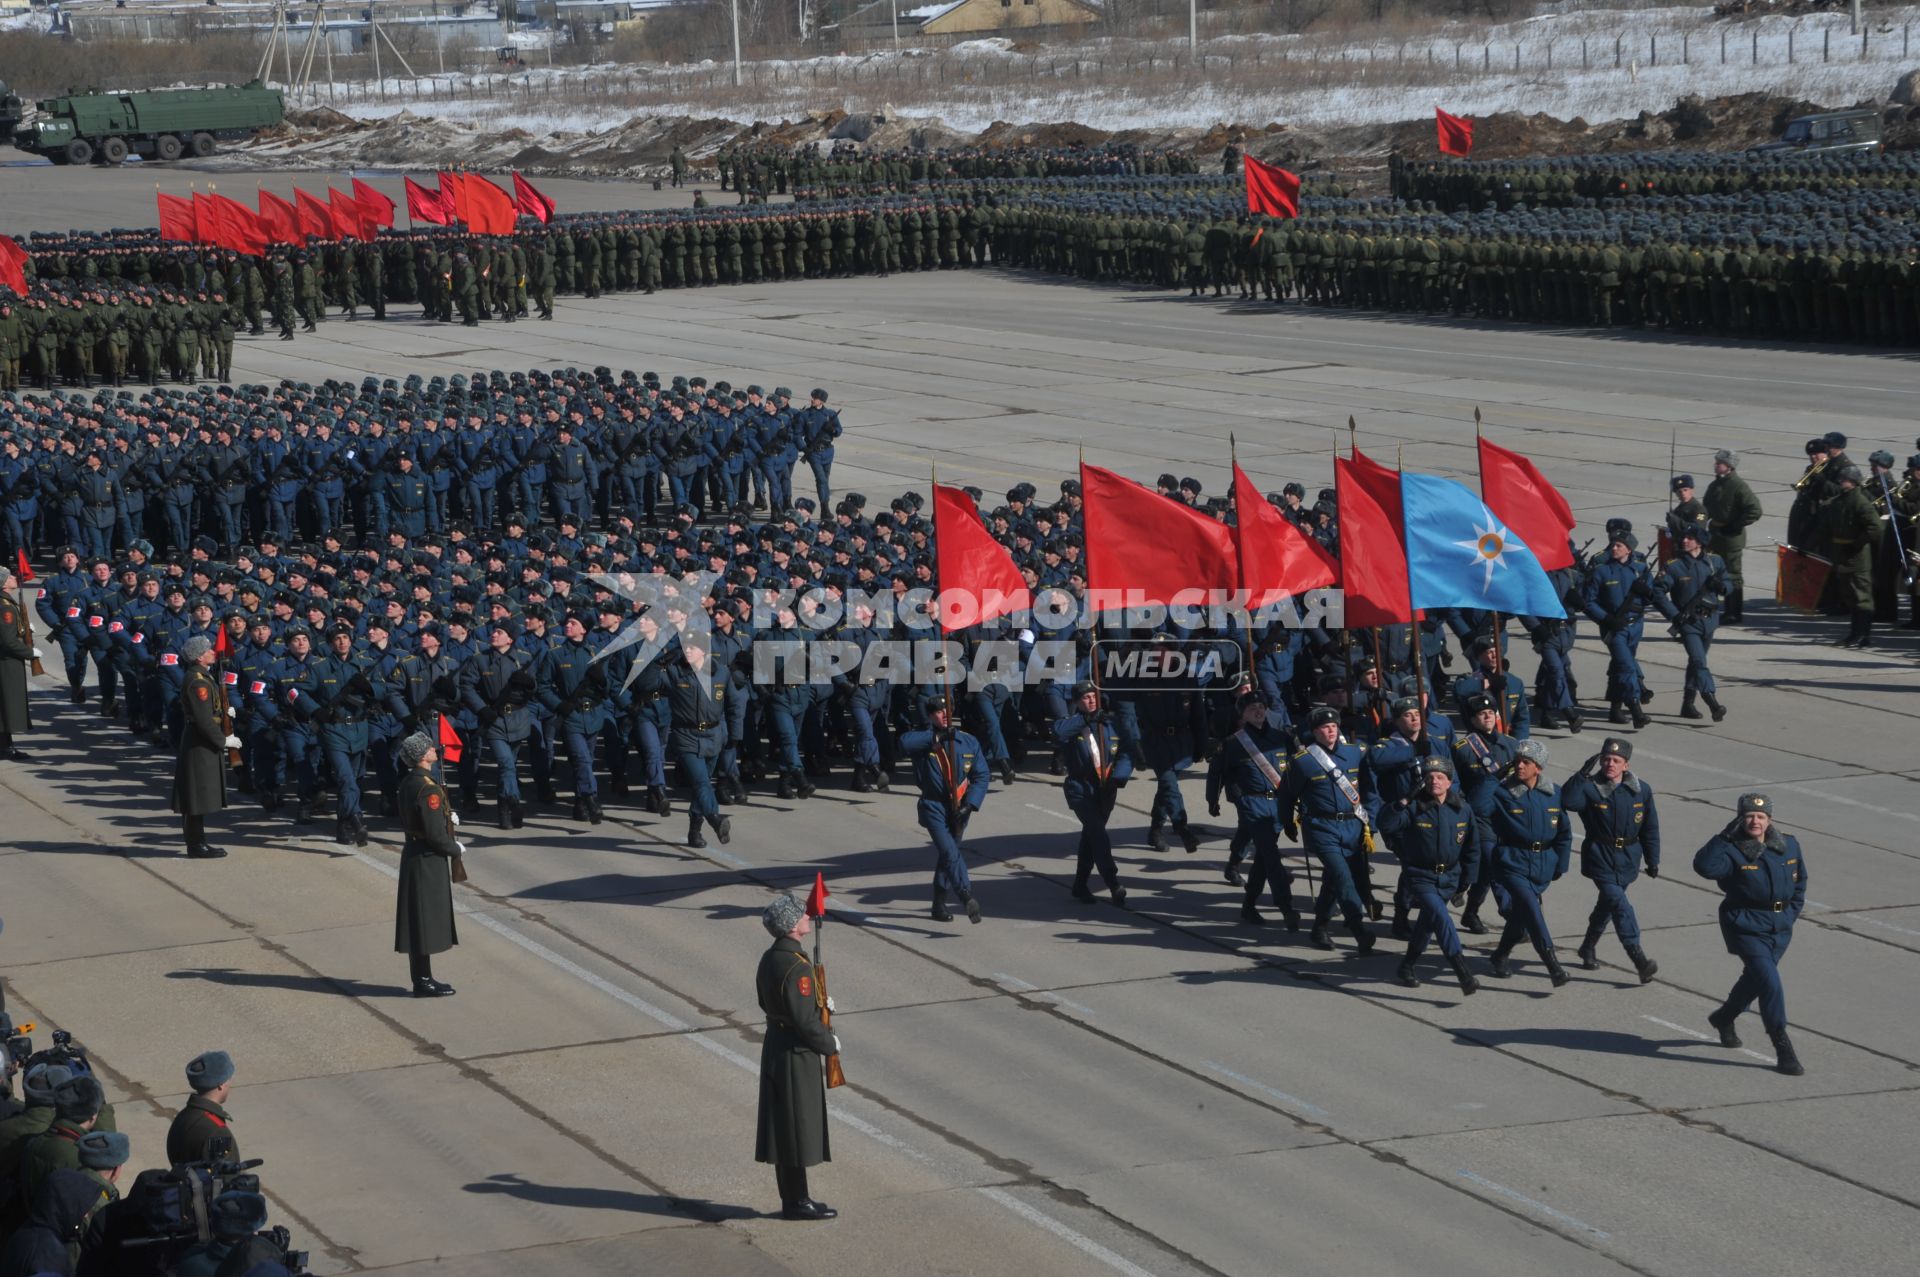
(817, 899)
(1514, 489)
(1802, 579)
(348, 217)
(453, 196)
(1373, 554)
(426, 205)
(527, 199)
(26, 568)
(13, 264)
(1143, 542)
(1272, 191)
(241, 229)
(315, 220)
(490, 210)
(450, 745)
(378, 209)
(1456, 138)
(978, 580)
(281, 219)
(206, 220)
(222, 643)
(176, 218)
(1276, 557)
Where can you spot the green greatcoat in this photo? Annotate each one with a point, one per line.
(1850, 529)
(793, 1091)
(423, 919)
(1731, 509)
(16, 649)
(200, 773)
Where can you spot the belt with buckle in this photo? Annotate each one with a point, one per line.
(1536, 846)
(1620, 843)
(1779, 906)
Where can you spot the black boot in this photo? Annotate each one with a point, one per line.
(545, 793)
(580, 809)
(1589, 959)
(1319, 938)
(694, 837)
(1555, 972)
(517, 812)
(1714, 706)
(1863, 623)
(801, 785)
(1722, 1021)
(1731, 609)
(1188, 839)
(1785, 1061)
(1498, 961)
(722, 828)
(1468, 985)
(1616, 712)
(1362, 939)
(1470, 923)
(505, 818)
(1688, 709)
(657, 801)
(861, 785)
(1575, 720)
(594, 814)
(1404, 973)
(1646, 966)
(940, 911)
(1640, 718)
(786, 785)
(971, 905)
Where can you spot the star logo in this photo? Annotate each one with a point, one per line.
(1488, 547)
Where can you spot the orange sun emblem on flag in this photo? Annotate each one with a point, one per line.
(201, 692)
(806, 986)
(433, 802)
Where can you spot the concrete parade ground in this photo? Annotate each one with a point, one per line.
(1066, 1088)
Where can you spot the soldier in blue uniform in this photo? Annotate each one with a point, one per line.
(341, 700)
(1763, 874)
(1394, 772)
(1615, 598)
(1439, 841)
(818, 426)
(275, 697)
(1490, 675)
(1622, 831)
(1170, 726)
(62, 609)
(497, 686)
(573, 687)
(951, 770)
(1250, 767)
(1321, 804)
(696, 697)
(1689, 592)
(571, 475)
(1532, 847)
(1096, 768)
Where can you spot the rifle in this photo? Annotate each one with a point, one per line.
(835, 1075)
(26, 626)
(226, 718)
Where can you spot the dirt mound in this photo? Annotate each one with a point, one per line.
(1001, 134)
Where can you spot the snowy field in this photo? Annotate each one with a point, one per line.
(1596, 63)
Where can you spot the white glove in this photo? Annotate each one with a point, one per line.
(37, 653)
(460, 848)
(836, 1044)
(829, 1004)
(454, 816)
(231, 742)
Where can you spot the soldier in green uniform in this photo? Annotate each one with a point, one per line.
(1850, 529)
(677, 162)
(540, 278)
(282, 297)
(430, 860)
(199, 1129)
(1731, 509)
(200, 774)
(11, 332)
(792, 1132)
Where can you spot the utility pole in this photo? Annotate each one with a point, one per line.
(1193, 30)
(1856, 17)
(896, 25)
(736, 43)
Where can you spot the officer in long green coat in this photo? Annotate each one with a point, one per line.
(1849, 527)
(423, 918)
(1731, 509)
(792, 1132)
(200, 773)
(16, 650)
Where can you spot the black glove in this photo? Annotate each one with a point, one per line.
(1653, 871)
(1213, 808)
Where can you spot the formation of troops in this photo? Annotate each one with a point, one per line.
(341, 581)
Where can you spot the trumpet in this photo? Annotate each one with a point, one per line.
(1813, 472)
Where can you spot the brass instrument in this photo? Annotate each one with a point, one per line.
(1813, 472)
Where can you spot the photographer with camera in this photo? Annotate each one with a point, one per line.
(236, 1217)
(202, 1130)
(62, 1211)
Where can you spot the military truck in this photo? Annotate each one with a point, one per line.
(106, 128)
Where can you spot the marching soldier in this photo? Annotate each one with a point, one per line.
(792, 1125)
(1321, 806)
(1097, 767)
(1439, 841)
(1615, 598)
(200, 774)
(1688, 592)
(696, 695)
(1763, 875)
(1622, 831)
(951, 770)
(1250, 767)
(1532, 847)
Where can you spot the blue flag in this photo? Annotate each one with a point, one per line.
(1459, 554)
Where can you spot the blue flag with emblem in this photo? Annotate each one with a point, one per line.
(1459, 553)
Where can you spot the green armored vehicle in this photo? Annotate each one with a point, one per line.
(81, 128)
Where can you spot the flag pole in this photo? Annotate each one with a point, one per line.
(940, 627)
(1240, 565)
(1499, 638)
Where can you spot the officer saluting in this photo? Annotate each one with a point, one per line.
(1763, 873)
(792, 1131)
